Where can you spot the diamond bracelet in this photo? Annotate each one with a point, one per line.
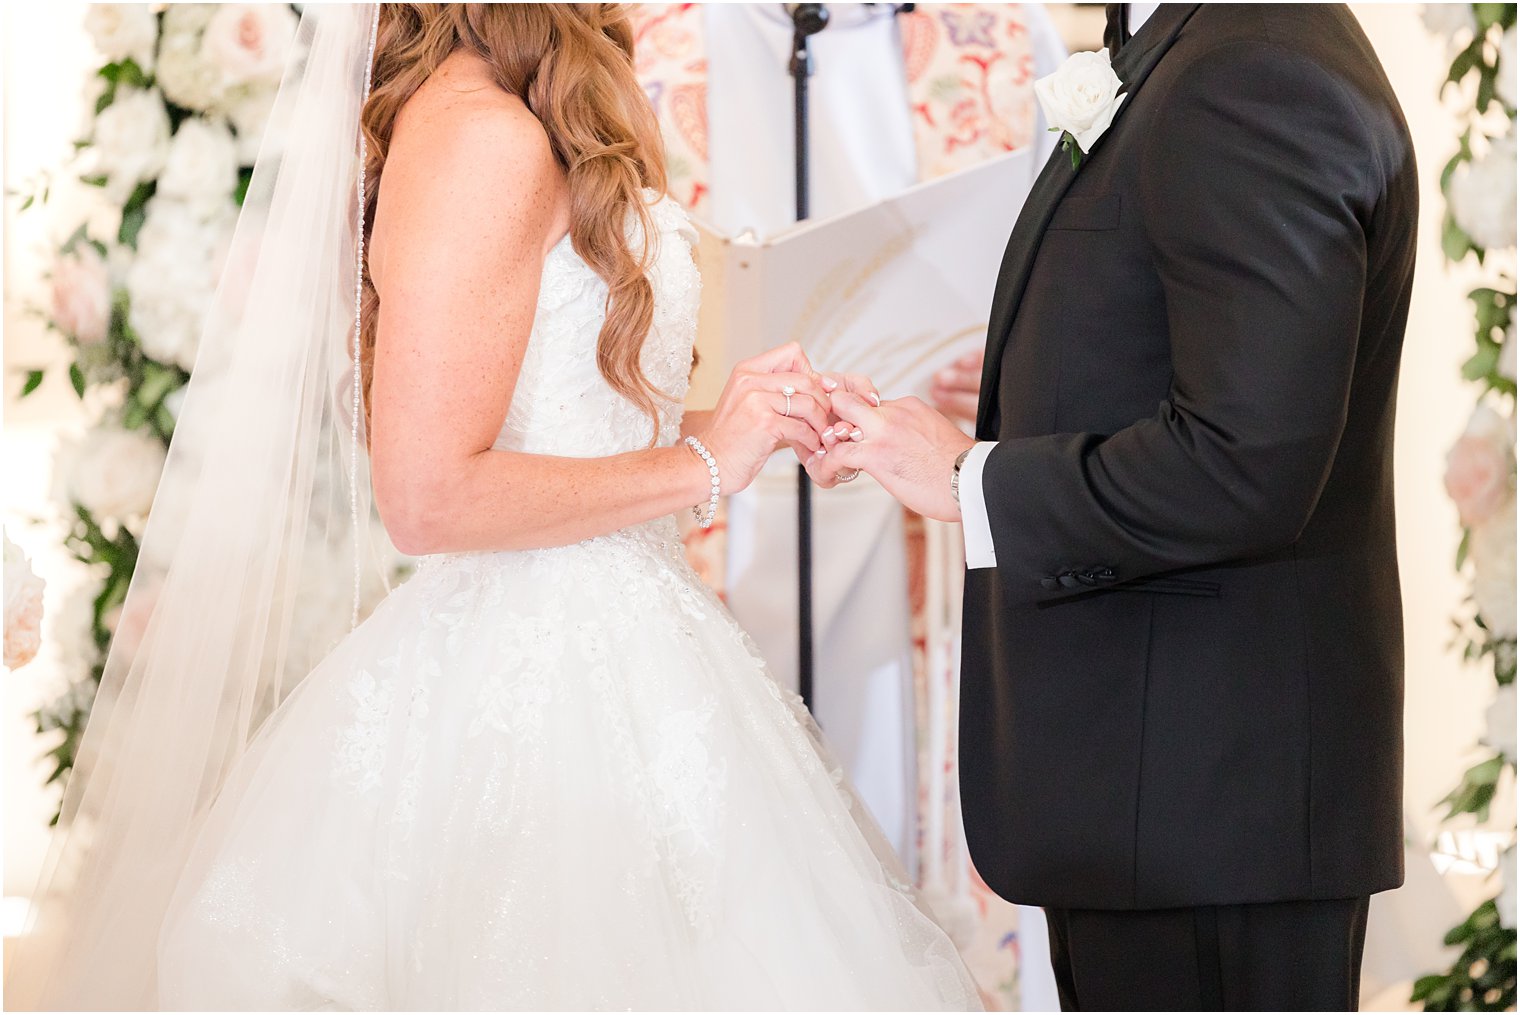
(705, 517)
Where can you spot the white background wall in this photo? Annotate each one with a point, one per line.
(45, 56)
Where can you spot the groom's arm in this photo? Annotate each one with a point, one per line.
(1256, 177)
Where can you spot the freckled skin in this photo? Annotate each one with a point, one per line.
(470, 203)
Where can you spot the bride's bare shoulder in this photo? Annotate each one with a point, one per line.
(461, 144)
(461, 110)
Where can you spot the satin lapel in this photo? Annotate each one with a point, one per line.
(1136, 60)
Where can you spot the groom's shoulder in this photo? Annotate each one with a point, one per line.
(1313, 52)
(1325, 35)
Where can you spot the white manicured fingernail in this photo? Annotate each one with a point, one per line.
(876, 399)
(856, 435)
(829, 384)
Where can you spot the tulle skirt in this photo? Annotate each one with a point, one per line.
(552, 779)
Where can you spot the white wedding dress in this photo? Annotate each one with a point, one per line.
(552, 779)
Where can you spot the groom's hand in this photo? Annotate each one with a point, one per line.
(904, 444)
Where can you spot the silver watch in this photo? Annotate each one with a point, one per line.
(955, 474)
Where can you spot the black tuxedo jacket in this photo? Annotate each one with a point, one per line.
(1182, 683)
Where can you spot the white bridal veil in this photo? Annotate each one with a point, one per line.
(261, 523)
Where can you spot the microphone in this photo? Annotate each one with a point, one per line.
(808, 19)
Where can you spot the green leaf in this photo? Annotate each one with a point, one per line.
(33, 379)
(134, 416)
(1463, 547)
(1492, 14)
(76, 378)
(95, 181)
(1454, 242)
(157, 382)
(245, 177)
(163, 422)
(1466, 60)
(26, 202)
(134, 212)
(1482, 362)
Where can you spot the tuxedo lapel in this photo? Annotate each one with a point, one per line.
(1133, 65)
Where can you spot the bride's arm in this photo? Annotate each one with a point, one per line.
(471, 200)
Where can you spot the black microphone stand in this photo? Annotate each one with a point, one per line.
(807, 20)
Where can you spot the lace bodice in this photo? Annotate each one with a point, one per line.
(562, 405)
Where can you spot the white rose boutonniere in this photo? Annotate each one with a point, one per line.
(1080, 100)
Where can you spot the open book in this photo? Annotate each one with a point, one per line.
(893, 291)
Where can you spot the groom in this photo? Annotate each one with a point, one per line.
(1182, 675)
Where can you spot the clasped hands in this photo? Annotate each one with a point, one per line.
(838, 426)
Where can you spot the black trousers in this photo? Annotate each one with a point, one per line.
(1278, 956)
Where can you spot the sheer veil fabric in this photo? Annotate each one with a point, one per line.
(264, 499)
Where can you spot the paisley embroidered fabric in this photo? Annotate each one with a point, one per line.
(552, 779)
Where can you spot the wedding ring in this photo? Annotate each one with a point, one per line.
(788, 391)
(846, 476)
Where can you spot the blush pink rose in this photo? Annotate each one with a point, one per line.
(82, 294)
(1480, 467)
(249, 43)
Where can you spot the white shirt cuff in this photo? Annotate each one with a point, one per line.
(974, 524)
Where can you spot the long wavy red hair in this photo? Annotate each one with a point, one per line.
(572, 65)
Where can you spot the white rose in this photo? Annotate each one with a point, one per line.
(1506, 364)
(1500, 734)
(1081, 97)
(1450, 20)
(1504, 84)
(116, 473)
(173, 279)
(250, 118)
(81, 284)
(202, 168)
(1482, 195)
(131, 140)
(186, 75)
(124, 32)
(1492, 552)
(248, 43)
(23, 608)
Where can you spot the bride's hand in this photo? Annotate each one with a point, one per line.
(751, 418)
(825, 473)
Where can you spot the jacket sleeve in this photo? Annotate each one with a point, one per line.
(1256, 175)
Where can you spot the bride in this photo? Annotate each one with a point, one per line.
(548, 772)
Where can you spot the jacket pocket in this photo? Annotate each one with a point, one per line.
(1173, 587)
(1092, 214)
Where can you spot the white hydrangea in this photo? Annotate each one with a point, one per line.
(250, 119)
(1449, 21)
(202, 168)
(1500, 732)
(23, 608)
(124, 32)
(1482, 196)
(1492, 552)
(115, 472)
(131, 140)
(173, 279)
(70, 645)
